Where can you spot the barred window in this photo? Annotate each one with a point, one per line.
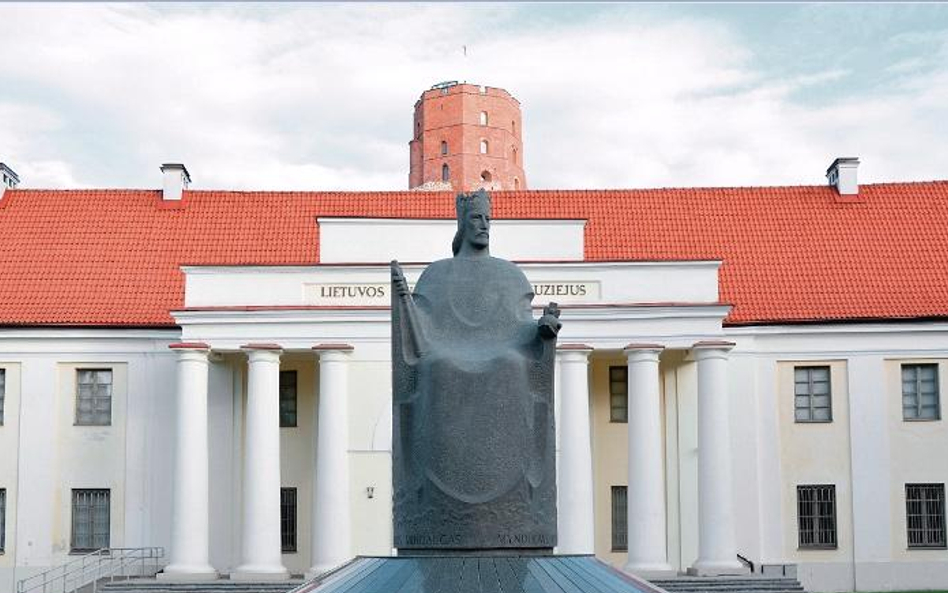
(920, 392)
(925, 515)
(816, 515)
(288, 519)
(620, 525)
(619, 394)
(3, 391)
(812, 401)
(90, 520)
(3, 519)
(288, 398)
(94, 397)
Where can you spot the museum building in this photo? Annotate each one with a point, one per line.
(747, 379)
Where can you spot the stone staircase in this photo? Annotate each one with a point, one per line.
(730, 584)
(138, 585)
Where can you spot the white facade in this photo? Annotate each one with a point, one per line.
(702, 397)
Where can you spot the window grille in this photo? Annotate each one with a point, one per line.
(288, 519)
(94, 397)
(816, 516)
(444, 148)
(920, 392)
(812, 399)
(3, 391)
(925, 515)
(90, 520)
(3, 519)
(288, 400)
(618, 394)
(620, 525)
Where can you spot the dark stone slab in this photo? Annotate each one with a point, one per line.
(478, 574)
(473, 441)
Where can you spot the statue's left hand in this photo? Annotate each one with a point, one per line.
(549, 324)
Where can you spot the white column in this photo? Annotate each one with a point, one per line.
(261, 549)
(575, 528)
(331, 539)
(717, 552)
(189, 521)
(647, 551)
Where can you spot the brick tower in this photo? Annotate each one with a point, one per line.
(467, 136)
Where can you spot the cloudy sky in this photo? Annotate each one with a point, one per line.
(320, 96)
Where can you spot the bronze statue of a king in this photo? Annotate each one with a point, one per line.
(472, 370)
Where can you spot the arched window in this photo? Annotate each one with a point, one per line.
(516, 183)
(445, 172)
(485, 176)
(515, 155)
(483, 146)
(444, 147)
(483, 118)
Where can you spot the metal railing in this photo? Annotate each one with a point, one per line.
(89, 569)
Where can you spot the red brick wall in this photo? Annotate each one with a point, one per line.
(453, 115)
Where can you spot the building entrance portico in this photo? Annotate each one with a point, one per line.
(245, 324)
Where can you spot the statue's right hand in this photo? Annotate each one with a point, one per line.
(399, 282)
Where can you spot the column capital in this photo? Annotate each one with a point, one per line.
(189, 346)
(574, 351)
(712, 349)
(262, 352)
(639, 352)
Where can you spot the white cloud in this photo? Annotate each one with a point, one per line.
(320, 97)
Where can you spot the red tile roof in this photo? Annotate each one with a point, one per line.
(791, 254)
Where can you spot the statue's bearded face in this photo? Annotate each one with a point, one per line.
(477, 225)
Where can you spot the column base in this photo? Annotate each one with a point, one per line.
(260, 574)
(184, 573)
(712, 568)
(650, 570)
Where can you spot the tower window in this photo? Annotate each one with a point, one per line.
(515, 155)
(483, 118)
(485, 176)
(516, 183)
(445, 172)
(513, 127)
(444, 148)
(483, 146)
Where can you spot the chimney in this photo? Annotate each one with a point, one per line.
(8, 178)
(842, 175)
(175, 180)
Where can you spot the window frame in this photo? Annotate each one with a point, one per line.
(74, 519)
(817, 516)
(619, 509)
(919, 405)
(289, 504)
(623, 396)
(284, 400)
(810, 395)
(95, 421)
(926, 516)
